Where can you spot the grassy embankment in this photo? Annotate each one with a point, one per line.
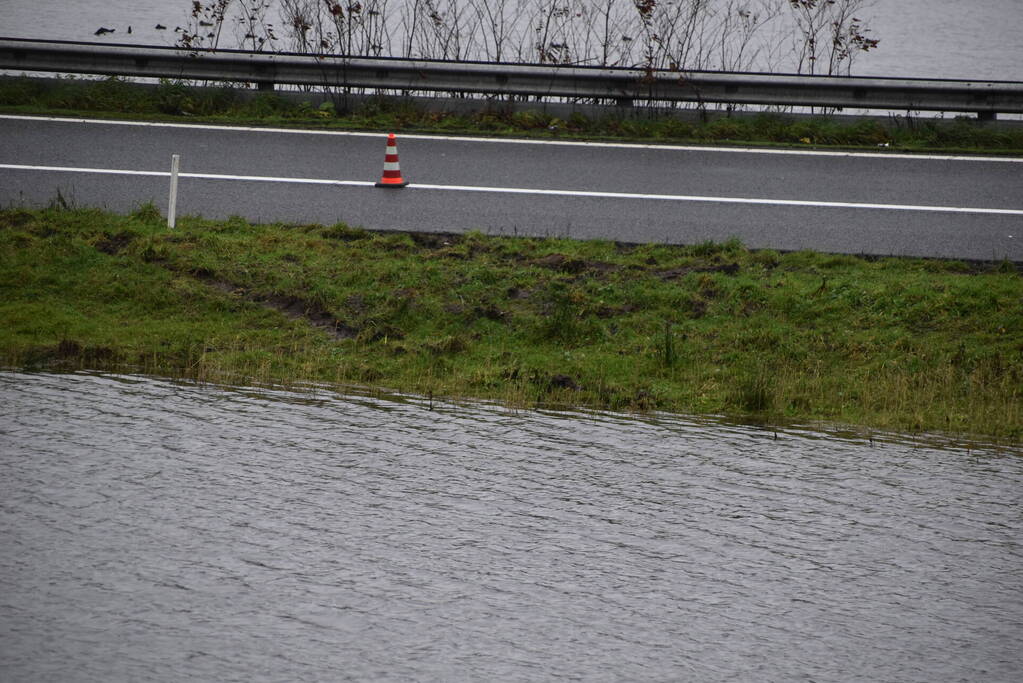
(177, 101)
(714, 328)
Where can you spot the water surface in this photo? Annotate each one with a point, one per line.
(975, 39)
(157, 531)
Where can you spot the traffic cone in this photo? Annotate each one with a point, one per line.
(392, 174)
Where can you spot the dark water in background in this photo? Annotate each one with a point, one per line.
(158, 531)
(972, 39)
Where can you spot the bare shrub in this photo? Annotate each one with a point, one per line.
(807, 36)
(829, 35)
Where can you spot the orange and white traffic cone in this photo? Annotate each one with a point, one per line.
(392, 173)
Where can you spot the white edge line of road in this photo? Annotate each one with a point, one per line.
(526, 190)
(909, 156)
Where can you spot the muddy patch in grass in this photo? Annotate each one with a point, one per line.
(70, 354)
(114, 244)
(291, 306)
(16, 218)
(434, 240)
(574, 266)
(676, 273)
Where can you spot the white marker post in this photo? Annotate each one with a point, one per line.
(172, 203)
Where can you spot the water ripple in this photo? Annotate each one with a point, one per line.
(154, 530)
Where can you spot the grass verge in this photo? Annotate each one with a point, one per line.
(176, 101)
(899, 344)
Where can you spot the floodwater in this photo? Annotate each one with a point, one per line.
(154, 530)
(974, 39)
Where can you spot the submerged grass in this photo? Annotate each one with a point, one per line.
(713, 328)
(173, 100)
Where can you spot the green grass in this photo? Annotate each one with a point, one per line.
(900, 344)
(175, 101)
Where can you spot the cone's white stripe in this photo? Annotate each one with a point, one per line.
(533, 191)
(390, 165)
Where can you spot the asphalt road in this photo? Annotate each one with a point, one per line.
(880, 204)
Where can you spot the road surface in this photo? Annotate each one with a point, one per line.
(871, 203)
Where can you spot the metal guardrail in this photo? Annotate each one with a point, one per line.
(623, 86)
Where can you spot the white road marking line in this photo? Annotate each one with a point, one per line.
(909, 156)
(721, 200)
(530, 191)
(206, 176)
